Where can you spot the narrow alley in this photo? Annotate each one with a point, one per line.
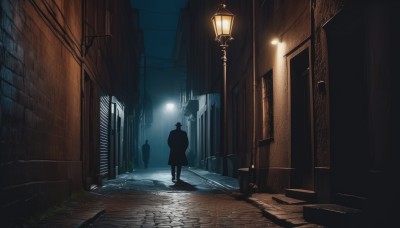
(281, 113)
(148, 198)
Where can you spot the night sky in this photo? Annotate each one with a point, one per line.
(164, 81)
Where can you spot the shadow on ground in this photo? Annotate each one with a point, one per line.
(183, 186)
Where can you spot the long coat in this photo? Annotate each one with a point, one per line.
(178, 143)
(146, 152)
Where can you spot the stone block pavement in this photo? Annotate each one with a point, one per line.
(290, 215)
(83, 210)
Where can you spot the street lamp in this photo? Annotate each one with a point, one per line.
(170, 107)
(222, 21)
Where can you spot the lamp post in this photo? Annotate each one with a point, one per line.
(222, 21)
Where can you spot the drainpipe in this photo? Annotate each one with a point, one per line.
(254, 149)
(83, 14)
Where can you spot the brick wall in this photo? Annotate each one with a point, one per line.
(40, 103)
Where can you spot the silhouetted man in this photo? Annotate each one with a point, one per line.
(178, 143)
(146, 153)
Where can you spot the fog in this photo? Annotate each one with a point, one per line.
(164, 120)
(160, 75)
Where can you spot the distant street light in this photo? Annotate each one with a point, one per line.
(223, 22)
(170, 107)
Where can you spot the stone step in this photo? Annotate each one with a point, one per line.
(350, 200)
(282, 199)
(301, 194)
(333, 215)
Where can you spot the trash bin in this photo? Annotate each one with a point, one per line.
(244, 180)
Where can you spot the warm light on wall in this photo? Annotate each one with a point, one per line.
(275, 41)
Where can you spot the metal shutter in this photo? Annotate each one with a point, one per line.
(104, 134)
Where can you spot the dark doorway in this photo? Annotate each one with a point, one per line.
(348, 105)
(117, 165)
(302, 155)
(88, 133)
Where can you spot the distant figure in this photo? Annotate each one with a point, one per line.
(146, 153)
(178, 143)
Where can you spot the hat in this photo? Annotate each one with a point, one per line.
(178, 124)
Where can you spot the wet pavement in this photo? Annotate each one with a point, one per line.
(149, 198)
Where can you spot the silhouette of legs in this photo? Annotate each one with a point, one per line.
(173, 172)
(178, 172)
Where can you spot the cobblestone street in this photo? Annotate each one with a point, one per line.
(148, 198)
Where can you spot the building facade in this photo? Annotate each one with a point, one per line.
(69, 72)
(313, 113)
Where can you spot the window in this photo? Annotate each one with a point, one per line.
(267, 106)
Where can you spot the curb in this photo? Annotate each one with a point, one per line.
(88, 222)
(224, 188)
(277, 214)
(80, 213)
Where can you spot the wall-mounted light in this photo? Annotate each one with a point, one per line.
(275, 41)
(90, 39)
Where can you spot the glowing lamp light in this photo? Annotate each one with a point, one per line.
(170, 106)
(275, 41)
(222, 22)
